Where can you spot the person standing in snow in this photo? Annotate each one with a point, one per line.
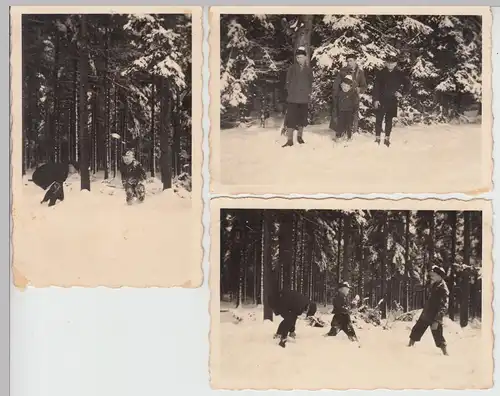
(133, 177)
(290, 304)
(52, 176)
(389, 87)
(341, 320)
(359, 85)
(434, 311)
(345, 106)
(299, 80)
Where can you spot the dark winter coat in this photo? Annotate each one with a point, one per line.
(341, 305)
(49, 173)
(132, 173)
(299, 83)
(358, 78)
(386, 84)
(436, 306)
(343, 101)
(289, 301)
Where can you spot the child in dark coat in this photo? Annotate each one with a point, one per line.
(133, 177)
(290, 305)
(345, 105)
(52, 176)
(341, 320)
(434, 311)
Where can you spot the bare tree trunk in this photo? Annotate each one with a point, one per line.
(153, 135)
(464, 304)
(165, 147)
(383, 264)
(267, 264)
(451, 278)
(84, 133)
(407, 261)
(345, 261)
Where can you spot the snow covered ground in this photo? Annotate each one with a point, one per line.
(251, 358)
(421, 159)
(94, 238)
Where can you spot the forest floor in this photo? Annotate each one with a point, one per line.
(439, 158)
(95, 238)
(251, 358)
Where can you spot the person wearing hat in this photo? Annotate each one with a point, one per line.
(389, 87)
(341, 320)
(359, 86)
(133, 177)
(290, 304)
(345, 104)
(299, 80)
(434, 311)
(51, 177)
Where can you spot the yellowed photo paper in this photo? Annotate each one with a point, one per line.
(351, 294)
(106, 146)
(336, 100)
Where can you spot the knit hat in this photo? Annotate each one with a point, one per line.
(347, 79)
(129, 153)
(391, 58)
(301, 51)
(344, 284)
(438, 270)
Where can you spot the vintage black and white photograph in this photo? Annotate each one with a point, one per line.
(353, 298)
(106, 166)
(365, 101)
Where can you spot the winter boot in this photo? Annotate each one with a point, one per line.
(444, 350)
(411, 343)
(377, 140)
(293, 335)
(300, 140)
(282, 342)
(289, 143)
(387, 141)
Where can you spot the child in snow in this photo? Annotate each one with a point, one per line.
(290, 304)
(341, 319)
(299, 80)
(133, 177)
(52, 176)
(345, 105)
(434, 311)
(389, 87)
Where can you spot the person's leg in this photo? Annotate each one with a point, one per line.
(56, 193)
(417, 332)
(439, 340)
(303, 113)
(341, 125)
(379, 118)
(47, 195)
(348, 328)
(129, 193)
(349, 123)
(355, 121)
(388, 129)
(140, 192)
(290, 123)
(288, 323)
(335, 326)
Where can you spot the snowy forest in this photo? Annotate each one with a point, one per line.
(97, 85)
(442, 55)
(384, 255)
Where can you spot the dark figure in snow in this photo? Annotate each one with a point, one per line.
(341, 320)
(290, 304)
(52, 176)
(359, 86)
(299, 79)
(389, 87)
(133, 177)
(345, 106)
(434, 311)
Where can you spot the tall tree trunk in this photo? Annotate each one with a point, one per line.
(285, 218)
(303, 34)
(464, 304)
(84, 133)
(267, 264)
(153, 135)
(451, 278)
(339, 248)
(165, 146)
(56, 142)
(345, 261)
(406, 301)
(383, 263)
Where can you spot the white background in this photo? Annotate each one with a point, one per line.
(101, 341)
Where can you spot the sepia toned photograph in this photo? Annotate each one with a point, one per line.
(351, 99)
(381, 294)
(106, 164)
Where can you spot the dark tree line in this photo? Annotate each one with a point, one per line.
(97, 85)
(385, 255)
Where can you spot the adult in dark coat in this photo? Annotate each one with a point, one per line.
(290, 305)
(341, 320)
(434, 311)
(359, 86)
(390, 85)
(299, 80)
(52, 176)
